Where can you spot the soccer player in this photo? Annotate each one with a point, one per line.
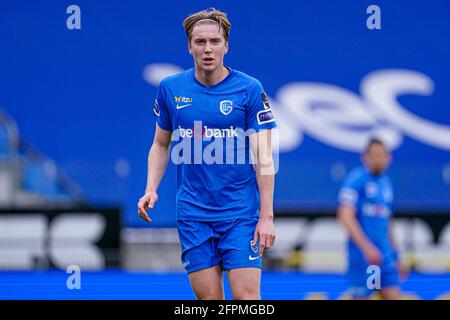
(224, 204)
(365, 210)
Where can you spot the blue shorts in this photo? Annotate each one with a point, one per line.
(205, 244)
(359, 275)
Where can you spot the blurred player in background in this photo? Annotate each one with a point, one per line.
(365, 210)
(224, 211)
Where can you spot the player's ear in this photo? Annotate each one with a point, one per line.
(226, 47)
(189, 48)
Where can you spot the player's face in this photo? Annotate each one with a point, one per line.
(377, 158)
(208, 47)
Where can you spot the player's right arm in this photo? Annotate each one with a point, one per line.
(346, 214)
(158, 157)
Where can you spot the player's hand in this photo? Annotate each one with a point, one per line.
(403, 270)
(373, 255)
(265, 231)
(146, 203)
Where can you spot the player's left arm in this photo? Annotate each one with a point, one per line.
(261, 145)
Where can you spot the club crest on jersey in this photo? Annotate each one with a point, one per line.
(226, 106)
(254, 247)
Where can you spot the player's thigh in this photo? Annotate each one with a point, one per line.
(390, 282)
(358, 280)
(198, 245)
(235, 246)
(207, 284)
(245, 283)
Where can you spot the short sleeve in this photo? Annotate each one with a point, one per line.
(161, 111)
(349, 192)
(259, 114)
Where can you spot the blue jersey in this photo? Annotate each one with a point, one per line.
(372, 197)
(210, 146)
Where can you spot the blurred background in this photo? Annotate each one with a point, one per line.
(77, 85)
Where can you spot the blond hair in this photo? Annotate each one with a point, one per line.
(207, 16)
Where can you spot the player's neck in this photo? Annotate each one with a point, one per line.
(375, 173)
(213, 77)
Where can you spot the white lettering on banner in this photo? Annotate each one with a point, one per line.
(73, 237)
(341, 118)
(26, 236)
(332, 115)
(68, 240)
(381, 88)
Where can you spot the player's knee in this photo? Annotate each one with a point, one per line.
(212, 295)
(246, 294)
(391, 294)
(209, 292)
